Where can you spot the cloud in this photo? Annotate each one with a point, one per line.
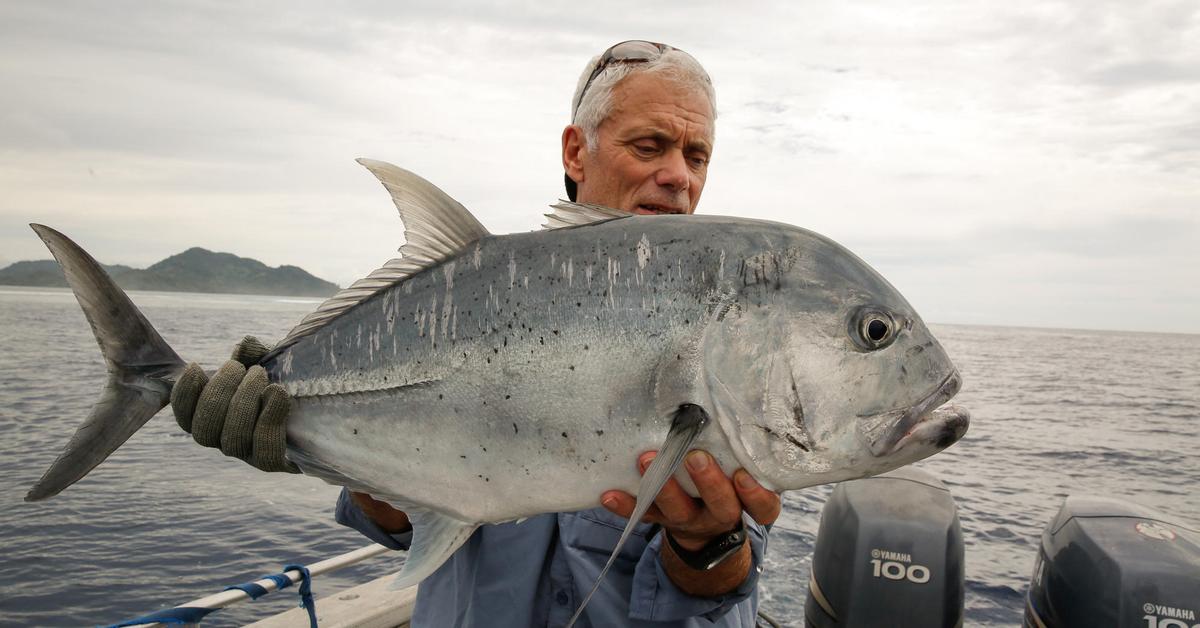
(983, 156)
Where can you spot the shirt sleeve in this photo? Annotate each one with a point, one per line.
(349, 514)
(656, 598)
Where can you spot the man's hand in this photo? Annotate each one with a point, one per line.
(694, 522)
(387, 518)
(238, 410)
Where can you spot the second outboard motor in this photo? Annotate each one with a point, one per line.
(1107, 562)
(889, 553)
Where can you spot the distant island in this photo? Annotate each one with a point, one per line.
(194, 270)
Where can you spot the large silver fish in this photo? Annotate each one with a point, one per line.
(481, 379)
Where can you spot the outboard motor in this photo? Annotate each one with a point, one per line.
(889, 553)
(1107, 562)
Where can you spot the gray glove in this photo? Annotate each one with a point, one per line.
(238, 410)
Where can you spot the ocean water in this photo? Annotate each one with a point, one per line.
(163, 521)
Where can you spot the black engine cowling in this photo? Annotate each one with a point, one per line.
(889, 553)
(1107, 562)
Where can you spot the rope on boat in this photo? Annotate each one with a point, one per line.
(193, 614)
(194, 611)
(282, 581)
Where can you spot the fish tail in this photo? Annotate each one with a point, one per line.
(142, 368)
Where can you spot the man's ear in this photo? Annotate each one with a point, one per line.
(573, 145)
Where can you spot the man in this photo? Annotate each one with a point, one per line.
(640, 140)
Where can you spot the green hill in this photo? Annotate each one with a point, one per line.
(194, 270)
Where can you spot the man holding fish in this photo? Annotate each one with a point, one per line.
(640, 141)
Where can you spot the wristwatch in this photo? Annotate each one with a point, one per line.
(711, 555)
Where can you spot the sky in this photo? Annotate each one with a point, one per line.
(1031, 164)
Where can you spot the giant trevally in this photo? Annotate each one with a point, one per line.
(482, 378)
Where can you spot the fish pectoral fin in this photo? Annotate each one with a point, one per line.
(689, 421)
(435, 537)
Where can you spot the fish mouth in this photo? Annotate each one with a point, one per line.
(926, 421)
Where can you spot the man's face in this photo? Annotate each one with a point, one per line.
(653, 150)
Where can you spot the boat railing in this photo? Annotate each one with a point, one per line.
(205, 605)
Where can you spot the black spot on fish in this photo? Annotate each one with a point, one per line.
(572, 367)
(585, 347)
(440, 396)
(356, 430)
(515, 430)
(462, 456)
(599, 432)
(508, 396)
(564, 434)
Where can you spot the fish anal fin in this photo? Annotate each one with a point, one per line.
(689, 421)
(436, 537)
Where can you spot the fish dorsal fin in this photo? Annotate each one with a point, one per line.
(571, 214)
(435, 227)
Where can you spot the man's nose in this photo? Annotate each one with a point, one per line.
(673, 172)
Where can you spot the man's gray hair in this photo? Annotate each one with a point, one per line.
(676, 65)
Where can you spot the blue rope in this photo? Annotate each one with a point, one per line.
(193, 615)
(180, 615)
(306, 598)
(282, 581)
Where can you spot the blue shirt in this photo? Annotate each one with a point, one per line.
(536, 572)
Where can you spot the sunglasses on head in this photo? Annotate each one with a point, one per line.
(632, 51)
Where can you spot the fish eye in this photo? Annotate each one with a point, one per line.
(872, 328)
(877, 330)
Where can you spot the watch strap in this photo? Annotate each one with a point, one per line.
(717, 550)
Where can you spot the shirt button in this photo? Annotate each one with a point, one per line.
(561, 598)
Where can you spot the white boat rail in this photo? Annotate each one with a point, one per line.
(234, 596)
